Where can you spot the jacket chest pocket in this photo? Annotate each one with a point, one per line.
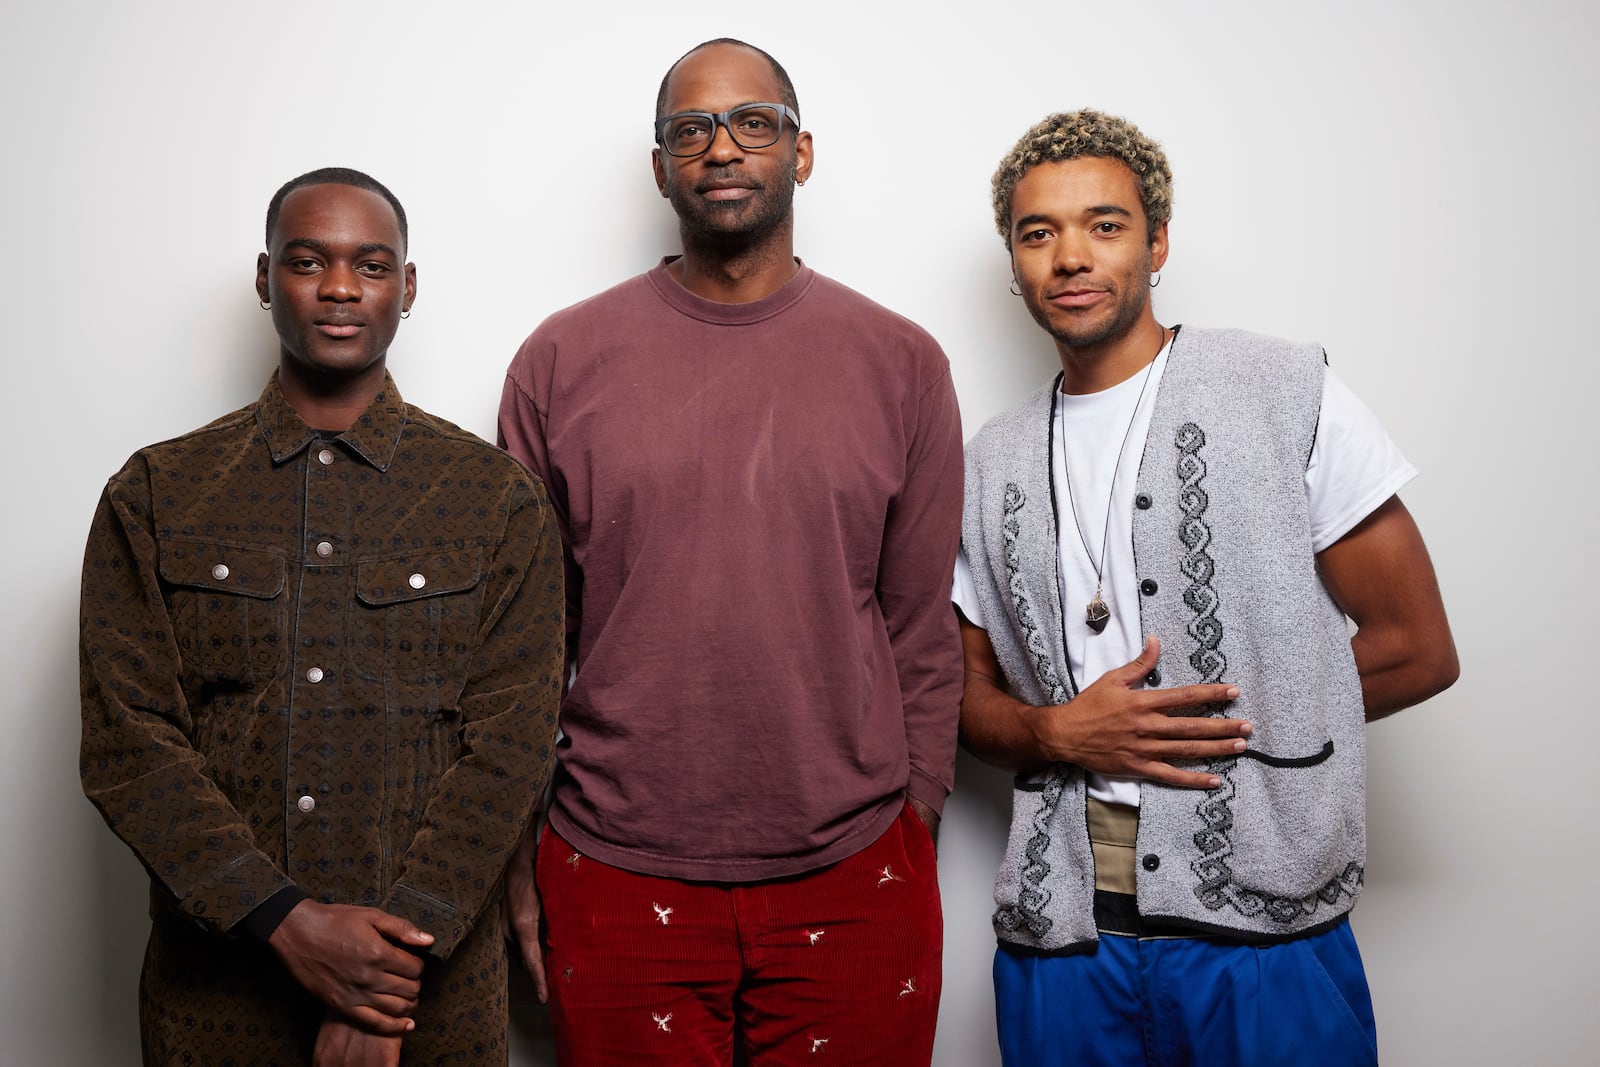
(425, 611)
(229, 614)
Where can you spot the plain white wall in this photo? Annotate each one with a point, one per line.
(1406, 183)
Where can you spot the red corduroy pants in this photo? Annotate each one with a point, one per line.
(840, 965)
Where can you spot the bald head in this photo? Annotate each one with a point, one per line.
(785, 86)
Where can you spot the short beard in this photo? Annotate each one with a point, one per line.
(709, 227)
(1119, 325)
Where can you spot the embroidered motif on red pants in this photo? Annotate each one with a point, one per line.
(841, 965)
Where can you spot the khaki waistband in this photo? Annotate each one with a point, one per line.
(1113, 829)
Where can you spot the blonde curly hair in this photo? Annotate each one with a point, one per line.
(1074, 134)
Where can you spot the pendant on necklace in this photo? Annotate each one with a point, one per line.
(1098, 614)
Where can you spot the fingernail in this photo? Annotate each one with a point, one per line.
(1233, 692)
(410, 1025)
(1246, 730)
(1215, 782)
(1239, 746)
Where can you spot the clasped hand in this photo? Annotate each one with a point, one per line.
(351, 959)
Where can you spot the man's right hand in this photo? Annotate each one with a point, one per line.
(520, 911)
(350, 958)
(1113, 728)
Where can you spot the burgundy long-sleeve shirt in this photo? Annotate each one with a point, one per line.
(760, 504)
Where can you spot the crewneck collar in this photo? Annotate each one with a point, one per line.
(698, 307)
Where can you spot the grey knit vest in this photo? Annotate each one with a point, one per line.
(1228, 582)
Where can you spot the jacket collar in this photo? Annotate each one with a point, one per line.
(375, 435)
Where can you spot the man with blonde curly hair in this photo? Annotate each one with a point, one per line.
(1160, 552)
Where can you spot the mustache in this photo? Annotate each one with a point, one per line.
(724, 178)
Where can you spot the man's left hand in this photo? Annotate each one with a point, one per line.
(929, 817)
(341, 1043)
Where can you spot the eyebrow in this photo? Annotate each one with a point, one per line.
(322, 246)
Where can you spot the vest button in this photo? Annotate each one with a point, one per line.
(1153, 678)
(1148, 587)
(1142, 501)
(1152, 861)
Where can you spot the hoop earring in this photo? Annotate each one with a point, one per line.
(1014, 290)
(1155, 279)
(266, 305)
(405, 314)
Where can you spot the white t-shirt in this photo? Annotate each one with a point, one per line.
(1354, 467)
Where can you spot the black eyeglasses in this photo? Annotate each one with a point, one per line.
(689, 133)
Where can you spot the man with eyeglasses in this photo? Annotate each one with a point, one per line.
(758, 477)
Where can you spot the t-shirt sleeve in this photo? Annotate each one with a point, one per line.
(964, 592)
(1354, 466)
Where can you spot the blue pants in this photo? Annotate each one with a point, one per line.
(1188, 1002)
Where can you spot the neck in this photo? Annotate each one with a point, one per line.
(328, 401)
(736, 274)
(1092, 368)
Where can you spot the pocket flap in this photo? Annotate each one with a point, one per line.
(254, 572)
(401, 578)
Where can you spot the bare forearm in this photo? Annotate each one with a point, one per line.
(995, 727)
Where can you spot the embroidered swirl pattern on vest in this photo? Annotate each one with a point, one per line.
(1032, 898)
(1198, 566)
(1011, 530)
(1216, 888)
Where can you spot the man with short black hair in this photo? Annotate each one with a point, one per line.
(320, 665)
(1159, 552)
(757, 472)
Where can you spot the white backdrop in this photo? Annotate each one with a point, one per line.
(1406, 183)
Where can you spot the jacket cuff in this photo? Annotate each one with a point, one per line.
(234, 891)
(429, 914)
(264, 921)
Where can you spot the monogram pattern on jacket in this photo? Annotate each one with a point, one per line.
(330, 662)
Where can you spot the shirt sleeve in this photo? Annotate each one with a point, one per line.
(521, 432)
(964, 591)
(919, 549)
(1354, 466)
(136, 761)
(481, 805)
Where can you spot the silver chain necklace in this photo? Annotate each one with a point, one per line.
(1097, 614)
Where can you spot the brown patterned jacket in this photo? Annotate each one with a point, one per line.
(333, 663)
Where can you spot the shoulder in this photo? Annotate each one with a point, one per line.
(1243, 349)
(583, 320)
(1000, 435)
(449, 443)
(857, 311)
(175, 452)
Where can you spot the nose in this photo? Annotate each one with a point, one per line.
(723, 147)
(1073, 253)
(340, 283)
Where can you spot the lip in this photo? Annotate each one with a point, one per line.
(725, 190)
(339, 327)
(1077, 298)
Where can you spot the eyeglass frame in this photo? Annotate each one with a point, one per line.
(785, 112)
